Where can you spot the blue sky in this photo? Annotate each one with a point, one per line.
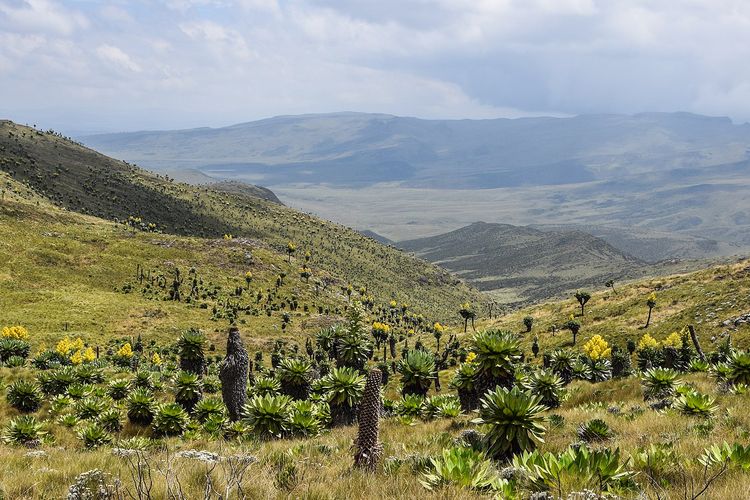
(82, 66)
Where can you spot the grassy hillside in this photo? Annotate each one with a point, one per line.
(522, 264)
(84, 181)
(706, 299)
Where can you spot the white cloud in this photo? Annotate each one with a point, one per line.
(41, 16)
(211, 62)
(116, 56)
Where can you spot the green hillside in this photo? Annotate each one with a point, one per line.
(84, 181)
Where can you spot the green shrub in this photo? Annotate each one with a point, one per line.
(89, 408)
(170, 419)
(417, 372)
(188, 390)
(594, 430)
(513, 420)
(696, 404)
(265, 386)
(463, 467)
(13, 347)
(410, 405)
(268, 416)
(547, 385)
(24, 396)
(659, 383)
(141, 407)
(118, 389)
(342, 389)
(94, 436)
(576, 469)
(24, 430)
(111, 420)
(206, 408)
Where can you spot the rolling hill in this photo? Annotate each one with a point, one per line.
(81, 180)
(675, 184)
(521, 264)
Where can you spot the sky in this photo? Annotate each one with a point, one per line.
(94, 66)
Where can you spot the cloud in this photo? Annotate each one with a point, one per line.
(41, 16)
(114, 55)
(212, 62)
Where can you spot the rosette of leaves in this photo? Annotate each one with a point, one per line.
(191, 347)
(738, 368)
(188, 390)
(547, 385)
(24, 430)
(343, 388)
(601, 370)
(141, 407)
(89, 408)
(13, 347)
(561, 362)
(56, 381)
(170, 419)
(442, 406)
(463, 382)
(659, 383)
(695, 404)
(294, 376)
(265, 386)
(463, 467)
(111, 420)
(410, 405)
(513, 421)
(143, 380)
(89, 374)
(304, 419)
(208, 407)
(498, 353)
(118, 389)
(417, 371)
(581, 370)
(94, 435)
(594, 430)
(24, 396)
(267, 416)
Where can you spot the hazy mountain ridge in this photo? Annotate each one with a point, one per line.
(533, 263)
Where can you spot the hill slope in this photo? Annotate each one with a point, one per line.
(649, 175)
(82, 180)
(522, 263)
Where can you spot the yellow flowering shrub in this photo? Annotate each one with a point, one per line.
(126, 351)
(66, 346)
(89, 355)
(471, 357)
(76, 358)
(15, 332)
(597, 348)
(438, 327)
(393, 303)
(156, 359)
(382, 328)
(673, 340)
(647, 342)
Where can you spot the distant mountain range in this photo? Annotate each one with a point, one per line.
(661, 185)
(522, 263)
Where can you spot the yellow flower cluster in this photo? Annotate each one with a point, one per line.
(67, 346)
(228, 236)
(466, 306)
(438, 327)
(673, 340)
(597, 348)
(393, 303)
(410, 332)
(291, 247)
(648, 342)
(126, 351)
(381, 327)
(248, 275)
(15, 332)
(156, 359)
(471, 357)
